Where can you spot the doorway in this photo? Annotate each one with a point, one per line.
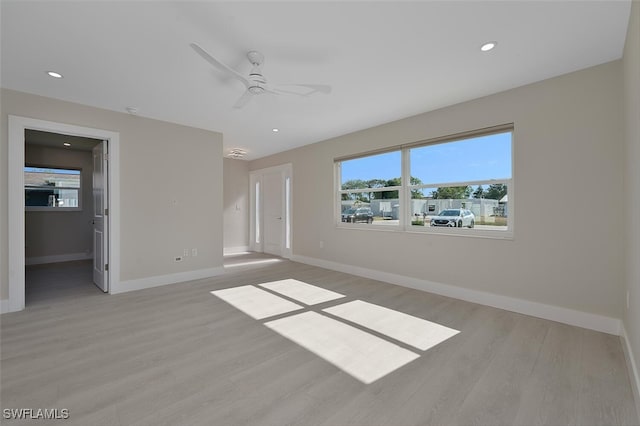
(18, 127)
(65, 182)
(270, 219)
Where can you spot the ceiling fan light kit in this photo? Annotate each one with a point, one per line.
(255, 82)
(237, 153)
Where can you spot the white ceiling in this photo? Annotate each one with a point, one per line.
(385, 60)
(57, 141)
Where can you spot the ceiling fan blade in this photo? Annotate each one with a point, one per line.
(267, 88)
(243, 100)
(322, 88)
(216, 63)
(315, 88)
(278, 91)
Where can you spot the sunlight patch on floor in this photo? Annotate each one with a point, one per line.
(256, 303)
(252, 262)
(417, 332)
(358, 353)
(302, 292)
(238, 253)
(331, 335)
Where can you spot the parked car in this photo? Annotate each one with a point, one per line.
(361, 214)
(454, 218)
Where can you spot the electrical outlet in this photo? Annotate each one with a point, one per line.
(194, 252)
(185, 253)
(177, 259)
(321, 244)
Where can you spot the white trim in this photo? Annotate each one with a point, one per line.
(160, 280)
(4, 306)
(554, 313)
(634, 374)
(39, 260)
(16, 238)
(256, 177)
(15, 212)
(52, 209)
(235, 250)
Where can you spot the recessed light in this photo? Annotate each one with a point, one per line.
(54, 74)
(275, 130)
(488, 46)
(66, 144)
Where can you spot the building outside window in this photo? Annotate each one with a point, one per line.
(47, 188)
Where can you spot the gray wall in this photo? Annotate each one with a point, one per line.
(568, 145)
(171, 186)
(55, 233)
(632, 184)
(236, 205)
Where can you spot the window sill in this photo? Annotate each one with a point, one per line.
(52, 209)
(454, 232)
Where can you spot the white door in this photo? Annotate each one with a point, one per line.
(100, 222)
(273, 208)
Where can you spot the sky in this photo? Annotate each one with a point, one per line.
(482, 158)
(46, 170)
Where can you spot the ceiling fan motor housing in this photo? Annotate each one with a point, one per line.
(255, 76)
(256, 89)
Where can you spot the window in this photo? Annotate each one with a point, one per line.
(456, 185)
(48, 188)
(470, 177)
(369, 189)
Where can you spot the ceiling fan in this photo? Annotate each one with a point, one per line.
(255, 82)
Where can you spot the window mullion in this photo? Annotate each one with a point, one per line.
(405, 193)
(361, 190)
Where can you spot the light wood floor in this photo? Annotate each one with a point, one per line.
(176, 355)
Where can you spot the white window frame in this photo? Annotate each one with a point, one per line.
(404, 191)
(338, 205)
(62, 208)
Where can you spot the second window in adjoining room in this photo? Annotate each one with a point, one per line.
(47, 188)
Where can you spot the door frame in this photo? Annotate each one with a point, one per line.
(100, 156)
(256, 208)
(16, 234)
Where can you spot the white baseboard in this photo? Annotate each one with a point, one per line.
(160, 280)
(521, 306)
(39, 260)
(4, 306)
(634, 374)
(235, 250)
